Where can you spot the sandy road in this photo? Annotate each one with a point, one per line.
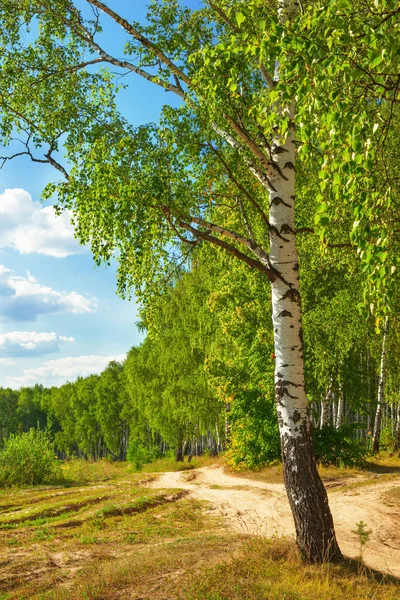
(261, 508)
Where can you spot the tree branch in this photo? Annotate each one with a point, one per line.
(255, 264)
(141, 39)
(81, 32)
(233, 142)
(240, 186)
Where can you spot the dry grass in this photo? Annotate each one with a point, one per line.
(271, 570)
(164, 465)
(106, 537)
(55, 540)
(384, 467)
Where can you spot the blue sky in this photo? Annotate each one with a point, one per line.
(60, 316)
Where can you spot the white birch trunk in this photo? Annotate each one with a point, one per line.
(381, 394)
(306, 493)
(340, 407)
(325, 407)
(396, 445)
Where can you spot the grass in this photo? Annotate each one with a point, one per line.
(163, 465)
(272, 570)
(103, 536)
(385, 465)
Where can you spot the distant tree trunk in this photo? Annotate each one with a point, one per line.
(396, 445)
(333, 410)
(340, 407)
(381, 394)
(227, 424)
(325, 407)
(179, 454)
(218, 438)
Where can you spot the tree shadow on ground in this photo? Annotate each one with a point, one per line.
(358, 567)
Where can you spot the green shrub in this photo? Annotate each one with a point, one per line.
(339, 447)
(28, 459)
(138, 455)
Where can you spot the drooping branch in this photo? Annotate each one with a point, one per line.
(255, 264)
(80, 31)
(246, 223)
(269, 166)
(141, 39)
(240, 186)
(251, 165)
(71, 69)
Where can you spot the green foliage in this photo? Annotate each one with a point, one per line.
(139, 455)
(338, 446)
(28, 459)
(255, 438)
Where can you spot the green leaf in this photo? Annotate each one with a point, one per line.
(240, 18)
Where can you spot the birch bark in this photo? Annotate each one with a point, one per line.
(396, 445)
(307, 495)
(381, 394)
(325, 407)
(340, 407)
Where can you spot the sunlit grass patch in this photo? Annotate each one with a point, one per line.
(162, 465)
(272, 570)
(82, 471)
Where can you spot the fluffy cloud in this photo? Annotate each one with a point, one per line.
(57, 372)
(24, 298)
(30, 343)
(27, 226)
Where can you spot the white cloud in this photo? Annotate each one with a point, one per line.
(28, 227)
(30, 343)
(24, 298)
(57, 372)
(7, 362)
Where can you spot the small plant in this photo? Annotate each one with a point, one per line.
(363, 535)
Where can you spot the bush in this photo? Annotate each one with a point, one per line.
(338, 446)
(138, 455)
(28, 459)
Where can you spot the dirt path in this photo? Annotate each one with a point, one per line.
(261, 508)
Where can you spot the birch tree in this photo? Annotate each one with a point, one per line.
(152, 193)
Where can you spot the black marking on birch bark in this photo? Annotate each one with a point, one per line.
(293, 197)
(292, 294)
(285, 313)
(291, 327)
(279, 150)
(273, 229)
(289, 165)
(286, 229)
(296, 267)
(278, 200)
(301, 336)
(285, 365)
(287, 382)
(296, 417)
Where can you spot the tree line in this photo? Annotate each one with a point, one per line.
(203, 379)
